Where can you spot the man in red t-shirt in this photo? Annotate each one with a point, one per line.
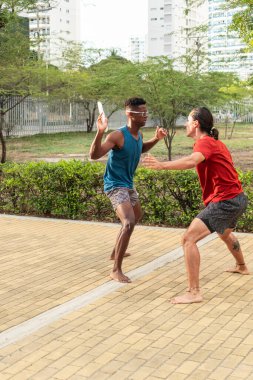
(222, 195)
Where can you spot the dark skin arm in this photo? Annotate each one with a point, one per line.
(160, 133)
(98, 148)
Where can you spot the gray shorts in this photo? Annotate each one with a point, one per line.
(218, 216)
(122, 194)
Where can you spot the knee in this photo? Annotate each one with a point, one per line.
(128, 225)
(187, 239)
(139, 217)
(184, 238)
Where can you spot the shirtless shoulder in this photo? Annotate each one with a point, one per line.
(117, 138)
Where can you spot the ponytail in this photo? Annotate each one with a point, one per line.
(205, 119)
(214, 133)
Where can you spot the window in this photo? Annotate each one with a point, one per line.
(167, 48)
(167, 38)
(168, 19)
(168, 8)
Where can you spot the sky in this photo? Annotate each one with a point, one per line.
(110, 23)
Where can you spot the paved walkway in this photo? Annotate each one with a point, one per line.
(61, 316)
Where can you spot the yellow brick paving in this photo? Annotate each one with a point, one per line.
(45, 263)
(134, 332)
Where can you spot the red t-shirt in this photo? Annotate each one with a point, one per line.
(218, 177)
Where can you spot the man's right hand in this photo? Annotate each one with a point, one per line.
(102, 123)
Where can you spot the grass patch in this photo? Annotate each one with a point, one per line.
(50, 145)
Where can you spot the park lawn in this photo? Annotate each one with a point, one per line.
(78, 143)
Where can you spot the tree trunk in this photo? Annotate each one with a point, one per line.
(88, 125)
(89, 120)
(168, 142)
(226, 128)
(232, 130)
(171, 129)
(91, 116)
(170, 138)
(93, 112)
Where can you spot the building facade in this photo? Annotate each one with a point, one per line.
(52, 26)
(170, 27)
(136, 49)
(225, 50)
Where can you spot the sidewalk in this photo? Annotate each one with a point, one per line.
(62, 317)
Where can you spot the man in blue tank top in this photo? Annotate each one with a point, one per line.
(125, 146)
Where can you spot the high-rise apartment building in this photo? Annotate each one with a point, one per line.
(155, 28)
(52, 26)
(136, 49)
(226, 50)
(170, 27)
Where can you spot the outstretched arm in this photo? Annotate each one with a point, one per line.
(99, 149)
(183, 163)
(160, 133)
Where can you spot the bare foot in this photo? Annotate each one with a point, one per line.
(119, 276)
(242, 269)
(188, 298)
(112, 257)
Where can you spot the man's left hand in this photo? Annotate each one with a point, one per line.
(160, 133)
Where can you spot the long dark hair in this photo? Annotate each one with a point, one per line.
(205, 119)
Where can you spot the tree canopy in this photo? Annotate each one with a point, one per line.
(243, 19)
(172, 93)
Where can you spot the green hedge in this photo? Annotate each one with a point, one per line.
(74, 190)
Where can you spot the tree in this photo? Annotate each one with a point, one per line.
(237, 91)
(242, 21)
(21, 74)
(171, 93)
(195, 60)
(16, 84)
(9, 8)
(105, 80)
(78, 57)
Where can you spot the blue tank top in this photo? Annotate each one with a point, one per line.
(122, 163)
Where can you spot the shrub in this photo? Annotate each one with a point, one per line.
(74, 190)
